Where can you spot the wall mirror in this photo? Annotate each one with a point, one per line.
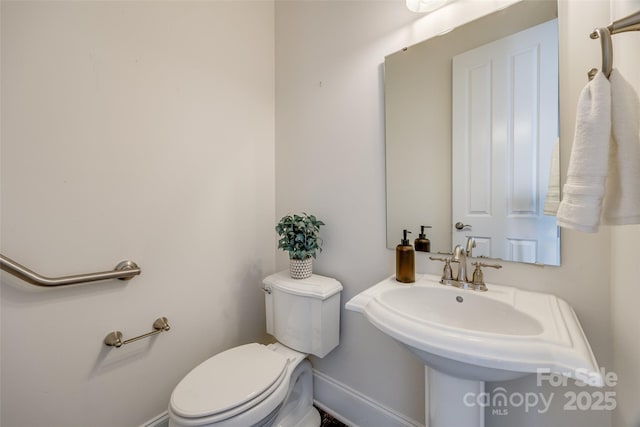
(471, 120)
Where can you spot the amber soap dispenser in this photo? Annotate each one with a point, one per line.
(422, 243)
(405, 261)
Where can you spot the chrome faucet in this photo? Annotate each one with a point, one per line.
(462, 280)
(460, 256)
(471, 243)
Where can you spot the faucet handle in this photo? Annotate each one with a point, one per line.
(447, 273)
(484, 264)
(478, 276)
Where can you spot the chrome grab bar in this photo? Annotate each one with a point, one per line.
(125, 270)
(114, 339)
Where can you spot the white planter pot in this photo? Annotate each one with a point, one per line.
(301, 268)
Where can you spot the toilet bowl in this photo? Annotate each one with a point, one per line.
(247, 386)
(266, 385)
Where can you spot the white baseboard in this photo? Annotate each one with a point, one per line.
(161, 420)
(354, 408)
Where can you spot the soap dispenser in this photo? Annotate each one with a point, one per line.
(422, 243)
(405, 261)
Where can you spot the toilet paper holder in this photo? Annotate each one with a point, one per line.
(114, 339)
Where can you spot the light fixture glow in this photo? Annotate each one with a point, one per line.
(424, 6)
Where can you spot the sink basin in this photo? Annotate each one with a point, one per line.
(459, 310)
(502, 334)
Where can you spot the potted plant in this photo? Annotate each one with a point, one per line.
(299, 236)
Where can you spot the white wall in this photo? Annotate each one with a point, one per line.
(140, 130)
(625, 269)
(330, 161)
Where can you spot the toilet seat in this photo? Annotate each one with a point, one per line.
(231, 383)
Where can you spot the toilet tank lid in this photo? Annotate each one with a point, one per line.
(316, 286)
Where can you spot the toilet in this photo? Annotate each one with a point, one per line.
(266, 385)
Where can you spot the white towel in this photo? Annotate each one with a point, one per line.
(584, 190)
(552, 199)
(622, 201)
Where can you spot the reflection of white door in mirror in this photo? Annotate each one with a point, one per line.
(505, 119)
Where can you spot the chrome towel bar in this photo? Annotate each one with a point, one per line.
(125, 270)
(628, 23)
(114, 339)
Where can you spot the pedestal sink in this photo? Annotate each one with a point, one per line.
(467, 337)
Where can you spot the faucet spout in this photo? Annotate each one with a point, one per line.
(471, 243)
(460, 256)
(457, 253)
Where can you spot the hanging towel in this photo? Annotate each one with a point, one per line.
(622, 201)
(552, 199)
(584, 190)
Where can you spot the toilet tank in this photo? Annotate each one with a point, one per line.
(304, 314)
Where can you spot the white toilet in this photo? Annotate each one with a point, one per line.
(266, 385)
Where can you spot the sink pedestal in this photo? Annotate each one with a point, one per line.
(445, 402)
(499, 335)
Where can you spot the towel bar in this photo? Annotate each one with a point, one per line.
(114, 339)
(628, 23)
(125, 270)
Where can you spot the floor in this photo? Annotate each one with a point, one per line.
(328, 420)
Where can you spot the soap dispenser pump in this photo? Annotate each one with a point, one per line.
(422, 243)
(405, 261)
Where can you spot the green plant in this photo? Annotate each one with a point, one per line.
(299, 235)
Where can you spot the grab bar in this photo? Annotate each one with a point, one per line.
(125, 270)
(114, 339)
